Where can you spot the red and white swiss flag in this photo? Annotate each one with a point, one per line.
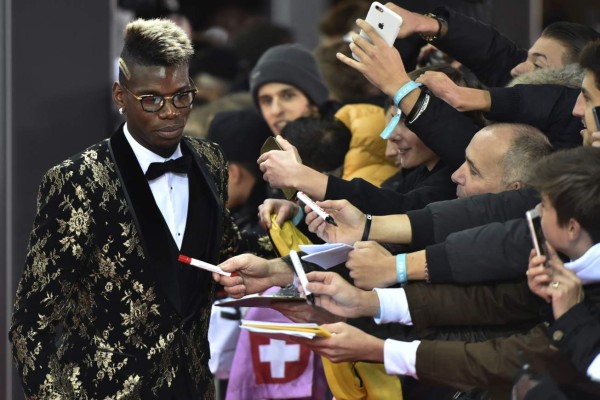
(277, 360)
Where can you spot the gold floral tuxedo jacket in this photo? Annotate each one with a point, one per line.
(104, 310)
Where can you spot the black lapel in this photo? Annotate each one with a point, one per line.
(198, 241)
(201, 163)
(203, 229)
(154, 233)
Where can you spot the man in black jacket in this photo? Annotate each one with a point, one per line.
(589, 97)
(491, 56)
(487, 53)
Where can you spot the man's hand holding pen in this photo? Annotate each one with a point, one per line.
(349, 222)
(308, 202)
(252, 274)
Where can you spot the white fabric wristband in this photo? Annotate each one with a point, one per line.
(400, 358)
(393, 307)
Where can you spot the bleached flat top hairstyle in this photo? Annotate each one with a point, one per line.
(154, 42)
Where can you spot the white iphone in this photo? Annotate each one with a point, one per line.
(385, 22)
(535, 229)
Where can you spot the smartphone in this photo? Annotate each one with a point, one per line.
(386, 22)
(271, 144)
(596, 113)
(535, 228)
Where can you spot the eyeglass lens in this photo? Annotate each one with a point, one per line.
(155, 103)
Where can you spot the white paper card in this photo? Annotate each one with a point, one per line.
(306, 335)
(326, 255)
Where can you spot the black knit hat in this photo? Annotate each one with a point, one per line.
(291, 64)
(241, 134)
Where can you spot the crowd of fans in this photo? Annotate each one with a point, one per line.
(459, 304)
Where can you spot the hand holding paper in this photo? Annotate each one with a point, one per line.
(371, 266)
(347, 343)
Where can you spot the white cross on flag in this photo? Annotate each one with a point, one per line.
(277, 353)
(277, 361)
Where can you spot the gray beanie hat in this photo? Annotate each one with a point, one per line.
(291, 64)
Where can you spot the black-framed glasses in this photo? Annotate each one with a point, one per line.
(154, 102)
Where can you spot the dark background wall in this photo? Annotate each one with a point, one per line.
(55, 100)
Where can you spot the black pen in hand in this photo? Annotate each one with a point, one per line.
(313, 206)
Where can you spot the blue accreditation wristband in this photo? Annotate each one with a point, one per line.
(401, 276)
(400, 94)
(298, 217)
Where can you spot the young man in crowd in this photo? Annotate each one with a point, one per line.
(589, 97)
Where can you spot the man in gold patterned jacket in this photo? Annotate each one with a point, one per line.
(104, 310)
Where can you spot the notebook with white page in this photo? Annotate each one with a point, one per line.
(306, 330)
(326, 255)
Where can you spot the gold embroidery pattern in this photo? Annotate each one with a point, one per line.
(88, 321)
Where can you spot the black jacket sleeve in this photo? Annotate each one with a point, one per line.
(378, 201)
(577, 334)
(492, 252)
(547, 107)
(446, 131)
(480, 47)
(435, 222)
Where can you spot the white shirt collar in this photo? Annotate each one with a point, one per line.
(144, 156)
(587, 267)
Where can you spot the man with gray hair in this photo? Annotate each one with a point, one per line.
(498, 158)
(105, 309)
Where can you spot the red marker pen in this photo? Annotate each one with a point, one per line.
(202, 265)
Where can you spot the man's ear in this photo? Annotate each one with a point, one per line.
(234, 172)
(574, 229)
(516, 185)
(118, 95)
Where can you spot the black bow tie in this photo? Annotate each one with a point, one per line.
(180, 165)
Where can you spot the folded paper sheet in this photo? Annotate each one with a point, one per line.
(326, 255)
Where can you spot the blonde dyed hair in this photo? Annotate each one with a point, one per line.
(154, 42)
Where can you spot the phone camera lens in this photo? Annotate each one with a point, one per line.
(379, 8)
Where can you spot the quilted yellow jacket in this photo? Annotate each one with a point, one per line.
(366, 157)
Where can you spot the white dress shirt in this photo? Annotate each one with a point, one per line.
(399, 358)
(593, 370)
(170, 190)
